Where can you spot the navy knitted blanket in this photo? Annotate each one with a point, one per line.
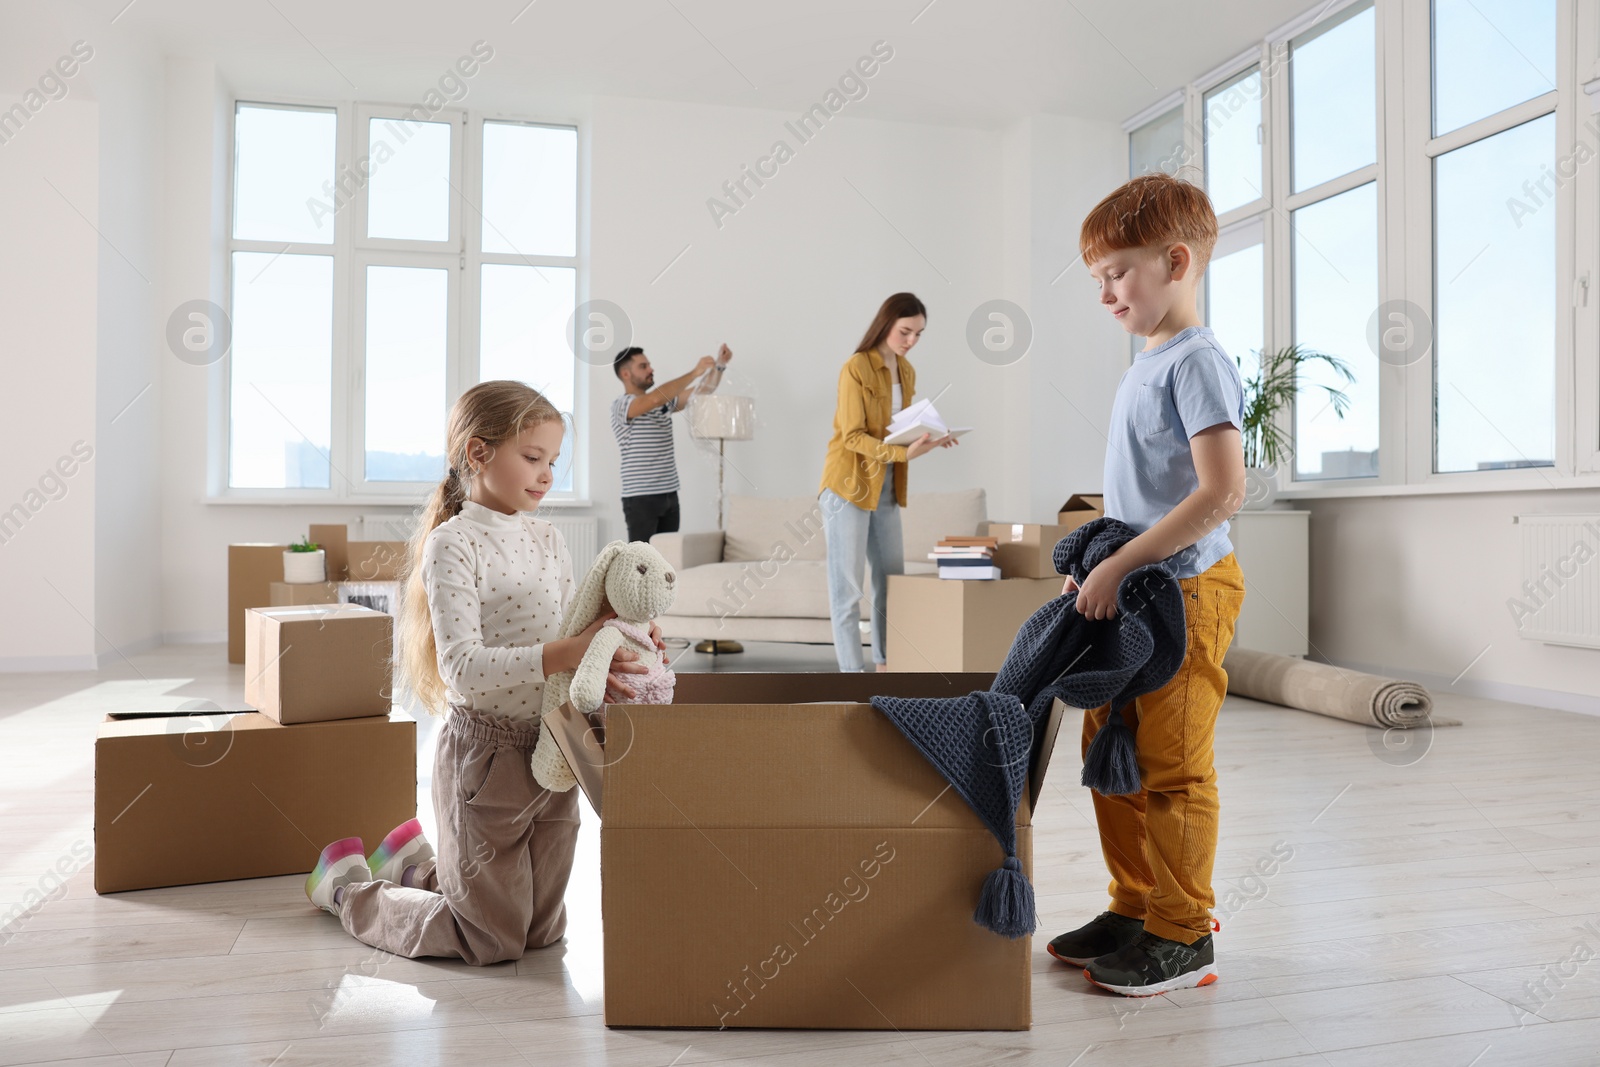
(983, 743)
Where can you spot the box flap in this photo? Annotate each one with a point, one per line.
(1043, 747)
(322, 612)
(857, 687)
(188, 721)
(582, 743)
(1085, 502)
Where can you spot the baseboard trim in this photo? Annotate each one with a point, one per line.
(46, 664)
(1553, 699)
(195, 637)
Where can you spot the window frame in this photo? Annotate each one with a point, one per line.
(462, 255)
(1403, 172)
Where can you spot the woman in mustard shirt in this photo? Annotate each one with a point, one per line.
(860, 501)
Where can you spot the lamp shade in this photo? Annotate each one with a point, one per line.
(726, 418)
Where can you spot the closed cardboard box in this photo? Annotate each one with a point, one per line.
(252, 568)
(940, 625)
(771, 862)
(181, 799)
(376, 561)
(297, 594)
(310, 664)
(1026, 549)
(358, 561)
(334, 539)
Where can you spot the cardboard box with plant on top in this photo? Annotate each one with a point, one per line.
(775, 853)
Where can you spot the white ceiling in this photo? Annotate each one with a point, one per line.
(964, 62)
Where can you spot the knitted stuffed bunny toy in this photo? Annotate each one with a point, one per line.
(637, 583)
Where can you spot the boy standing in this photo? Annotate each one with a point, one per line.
(1174, 472)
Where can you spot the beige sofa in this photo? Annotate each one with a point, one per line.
(764, 577)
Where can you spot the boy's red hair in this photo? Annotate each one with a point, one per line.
(1151, 210)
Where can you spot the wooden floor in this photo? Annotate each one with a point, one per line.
(1435, 910)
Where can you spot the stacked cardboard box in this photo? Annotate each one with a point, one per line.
(358, 561)
(182, 798)
(318, 662)
(1024, 549)
(959, 626)
(255, 573)
(782, 852)
(319, 755)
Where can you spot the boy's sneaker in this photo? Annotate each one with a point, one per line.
(1152, 965)
(1106, 933)
(341, 863)
(403, 847)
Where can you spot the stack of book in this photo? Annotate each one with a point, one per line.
(968, 558)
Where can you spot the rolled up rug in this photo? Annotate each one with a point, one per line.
(1387, 703)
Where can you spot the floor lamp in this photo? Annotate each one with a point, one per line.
(722, 419)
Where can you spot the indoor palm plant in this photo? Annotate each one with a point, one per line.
(1265, 395)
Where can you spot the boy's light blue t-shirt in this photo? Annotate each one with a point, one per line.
(1171, 393)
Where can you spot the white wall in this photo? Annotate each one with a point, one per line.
(49, 267)
(1419, 585)
(129, 354)
(791, 281)
(1081, 350)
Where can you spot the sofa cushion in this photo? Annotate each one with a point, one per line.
(797, 589)
(756, 525)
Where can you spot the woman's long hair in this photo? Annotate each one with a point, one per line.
(495, 412)
(899, 306)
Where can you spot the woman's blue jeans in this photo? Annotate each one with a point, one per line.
(856, 536)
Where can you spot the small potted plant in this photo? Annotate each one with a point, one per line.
(305, 562)
(1268, 393)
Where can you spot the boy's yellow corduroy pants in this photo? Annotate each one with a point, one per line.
(1161, 842)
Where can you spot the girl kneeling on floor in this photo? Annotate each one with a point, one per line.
(487, 588)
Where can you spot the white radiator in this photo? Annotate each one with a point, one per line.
(1559, 601)
(581, 532)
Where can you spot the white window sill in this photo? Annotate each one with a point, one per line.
(1544, 480)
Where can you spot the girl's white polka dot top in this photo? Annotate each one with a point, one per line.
(498, 587)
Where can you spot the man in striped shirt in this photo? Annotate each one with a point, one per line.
(642, 420)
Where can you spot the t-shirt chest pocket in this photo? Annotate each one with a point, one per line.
(1150, 407)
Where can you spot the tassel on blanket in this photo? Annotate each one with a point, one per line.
(1111, 765)
(1006, 903)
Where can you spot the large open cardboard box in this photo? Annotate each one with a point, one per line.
(182, 798)
(775, 853)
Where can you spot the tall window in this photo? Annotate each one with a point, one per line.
(370, 285)
(1236, 293)
(1494, 254)
(1332, 73)
(1233, 140)
(1432, 246)
(1158, 145)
